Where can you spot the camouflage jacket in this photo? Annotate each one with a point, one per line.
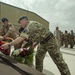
(8, 31)
(36, 31)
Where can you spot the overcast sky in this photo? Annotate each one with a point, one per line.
(57, 12)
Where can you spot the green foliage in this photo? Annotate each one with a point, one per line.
(28, 59)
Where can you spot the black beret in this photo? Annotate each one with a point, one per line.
(4, 19)
(23, 17)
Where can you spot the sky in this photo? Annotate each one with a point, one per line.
(59, 13)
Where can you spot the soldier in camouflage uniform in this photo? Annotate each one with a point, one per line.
(57, 34)
(71, 39)
(7, 30)
(46, 42)
(66, 38)
(62, 39)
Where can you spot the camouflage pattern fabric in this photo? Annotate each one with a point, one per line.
(9, 31)
(66, 39)
(71, 40)
(38, 32)
(57, 34)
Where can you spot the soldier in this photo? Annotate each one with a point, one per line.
(57, 34)
(7, 30)
(71, 39)
(62, 38)
(66, 38)
(46, 42)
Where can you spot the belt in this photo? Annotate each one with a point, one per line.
(45, 40)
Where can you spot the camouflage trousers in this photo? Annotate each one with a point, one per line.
(71, 43)
(66, 42)
(55, 54)
(58, 42)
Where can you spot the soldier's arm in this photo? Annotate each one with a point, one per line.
(17, 41)
(14, 42)
(22, 37)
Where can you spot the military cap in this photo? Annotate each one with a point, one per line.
(22, 17)
(4, 19)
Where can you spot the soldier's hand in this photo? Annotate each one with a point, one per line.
(5, 46)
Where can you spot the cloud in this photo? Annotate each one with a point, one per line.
(65, 10)
(57, 12)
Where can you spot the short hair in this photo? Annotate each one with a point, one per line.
(65, 31)
(22, 17)
(4, 19)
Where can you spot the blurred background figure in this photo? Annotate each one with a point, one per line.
(71, 39)
(57, 34)
(62, 39)
(66, 39)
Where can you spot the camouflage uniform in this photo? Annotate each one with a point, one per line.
(71, 39)
(66, 39)
(57, 34)
(8, 31)
(62, 39)
(37, 31)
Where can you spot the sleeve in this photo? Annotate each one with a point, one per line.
(24, 35)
